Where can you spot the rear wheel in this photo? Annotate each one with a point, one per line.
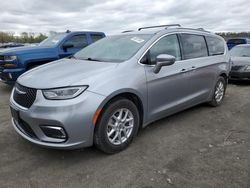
(219, 92)
(117, 126)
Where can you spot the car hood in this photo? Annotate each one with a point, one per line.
(65, 72)
(240, 61)
(25, 50)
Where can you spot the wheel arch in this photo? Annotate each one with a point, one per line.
(131, 95)
(225, 76)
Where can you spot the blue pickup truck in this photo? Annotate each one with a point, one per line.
(15, 61)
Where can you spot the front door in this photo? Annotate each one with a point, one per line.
(167, 90)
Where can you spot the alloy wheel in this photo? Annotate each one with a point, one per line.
(120, 126)
(219, 92)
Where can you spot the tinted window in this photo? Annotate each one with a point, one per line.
(95, 37)
(78, 41)
(236, 41)
(114, 48)
(167, 45)
(215, 46)
(194, 46)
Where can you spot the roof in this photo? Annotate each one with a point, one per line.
(232, 38)
(243, 45)
(79, 32)
(86, 32)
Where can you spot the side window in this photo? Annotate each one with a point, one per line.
(215, 46)
(96, 37)
(167, 45)
(194, 46)
(78, 41)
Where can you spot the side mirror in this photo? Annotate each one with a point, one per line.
(67, 46)
(163, 60)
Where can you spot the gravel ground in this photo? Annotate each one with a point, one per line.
(200, 147)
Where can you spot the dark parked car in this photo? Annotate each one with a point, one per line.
(240, 62)
(16, 61)
(237, 41)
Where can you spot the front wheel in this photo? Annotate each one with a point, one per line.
(117, 126)
(219, 92)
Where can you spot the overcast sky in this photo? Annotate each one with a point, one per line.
(118, 15)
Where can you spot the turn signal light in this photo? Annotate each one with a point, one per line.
(9, 65)
(96, 116)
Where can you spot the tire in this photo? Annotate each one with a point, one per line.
(219, 92)
(112, 122)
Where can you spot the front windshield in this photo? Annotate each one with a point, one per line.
(53, 40)
(113, 48)
(240, 51)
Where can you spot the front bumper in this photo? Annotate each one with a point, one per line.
(239, 75)
(9, 76)
(73, 116)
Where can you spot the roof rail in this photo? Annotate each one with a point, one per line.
(198, 29)
(166, 26)
(202, 29)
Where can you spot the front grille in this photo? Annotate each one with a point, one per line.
(24, 96)
(235, 68)
(26, 129)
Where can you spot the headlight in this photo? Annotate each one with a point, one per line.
(10, 58)
(64, 93)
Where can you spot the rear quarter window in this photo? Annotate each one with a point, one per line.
(215, 46)
(194, 46)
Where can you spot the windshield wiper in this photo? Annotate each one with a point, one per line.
(219, 53)
(72, 57)
(92, 59)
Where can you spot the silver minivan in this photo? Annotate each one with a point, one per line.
(103, 94)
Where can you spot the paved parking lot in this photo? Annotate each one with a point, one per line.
(200, 147)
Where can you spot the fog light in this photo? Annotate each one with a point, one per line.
(54, 132)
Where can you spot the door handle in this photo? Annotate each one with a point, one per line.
(183, 70)
(188, 69)
(193, 68)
